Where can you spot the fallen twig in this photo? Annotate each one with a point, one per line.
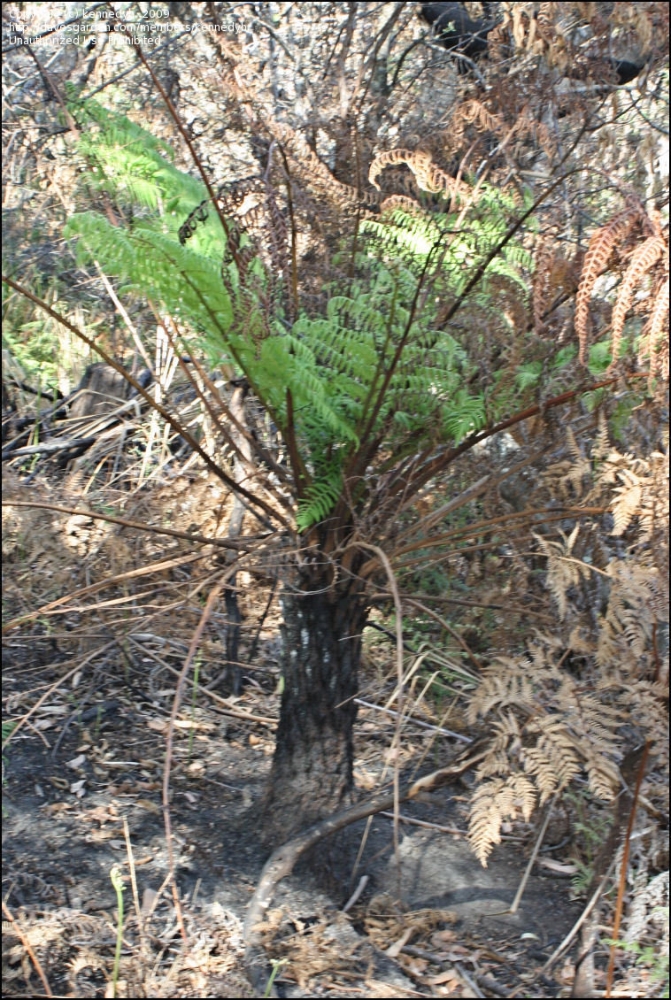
(281, 862)
(50, 447)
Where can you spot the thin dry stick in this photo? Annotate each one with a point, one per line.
(440, 730)
(102, 585)
(396, 742)
(594, 899)
(455, 635)
(363, 882)
(133, 882)
(225, 709)
(112, 603)
(195, 642)
(225, 543)
(623, 869)
(26, 944)
(441, 599)
(415, 722)
(231, 419)
(407, 677)
(532, 860)
(54, 687)
(124, 315)
(425, 825)
(481, 527)
(167, 416)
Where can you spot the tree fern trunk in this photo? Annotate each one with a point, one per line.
(311, 774)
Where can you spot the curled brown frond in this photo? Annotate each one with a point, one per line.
(653, 343)
(642, 259)
(429, 177)
(403, 202)
(598, 254)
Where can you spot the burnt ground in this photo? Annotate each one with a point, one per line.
(65, 813)
(83, 795)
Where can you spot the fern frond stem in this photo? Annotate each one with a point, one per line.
(451, 631)
(262, 452)
(300, 473)
(356, 466)
(95, 588)
(218, 327)
(238, 545)
(214, 416)
(294, 233)
(183, 132)
(479, 527)
(442, 599)
(351, 492)
(622, 883)
(234, 354)
(412, 483)
(256, 445)
(175, 424)
(496, 250)
(479, 487)
(379, 368)
(426, 561)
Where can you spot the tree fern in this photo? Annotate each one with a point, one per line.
(374, 364)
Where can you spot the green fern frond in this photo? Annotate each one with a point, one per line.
(374, 363)
(465, 416)
(319, 500)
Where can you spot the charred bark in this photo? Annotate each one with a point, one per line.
(311, 773)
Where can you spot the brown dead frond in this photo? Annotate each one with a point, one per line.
(600, 248)
(429, 177)
(551, 723)
(644, 258)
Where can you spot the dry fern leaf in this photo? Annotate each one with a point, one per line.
(651, 345)
(505, 744)
(598, 253)
(628, 502)
(403, 202)
(541, 282)
(429, 177)
(570, 475)
(563, 572)
(602, 774)
(643, 258)
(506, 682)
(494, 801)
(553, 761)
(474, 113)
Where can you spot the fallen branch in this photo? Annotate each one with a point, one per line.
(241, 544)
(282, 861)
(50, 447)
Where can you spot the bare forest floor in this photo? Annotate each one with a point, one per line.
(83, 794)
